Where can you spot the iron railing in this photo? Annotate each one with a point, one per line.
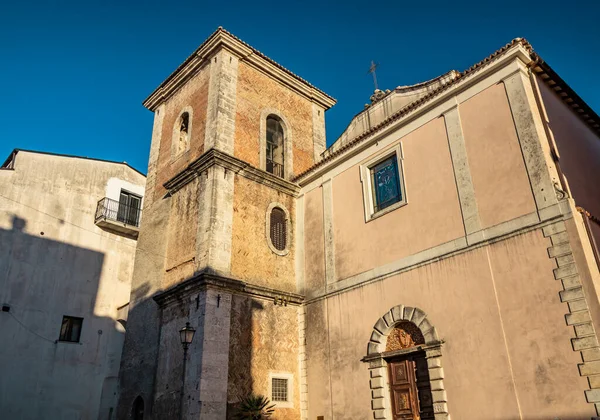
(118, 211)
(275, 168)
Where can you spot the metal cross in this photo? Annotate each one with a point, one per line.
(372, 71)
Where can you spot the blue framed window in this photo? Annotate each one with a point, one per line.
(386, 185)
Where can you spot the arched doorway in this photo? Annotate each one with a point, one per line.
(137, 411)
(406, 375)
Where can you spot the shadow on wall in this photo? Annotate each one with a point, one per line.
(242, 336)
(152, 373)
(41, 281)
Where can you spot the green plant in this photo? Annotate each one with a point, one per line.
(255, 407)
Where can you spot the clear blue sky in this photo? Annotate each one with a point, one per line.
(74, 73)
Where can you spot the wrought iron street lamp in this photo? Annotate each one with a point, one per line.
(186, 335)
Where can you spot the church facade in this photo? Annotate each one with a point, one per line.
(438, 261)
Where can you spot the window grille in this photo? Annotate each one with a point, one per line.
(385, 184)
(278, 232)
(70, 329)
(279, 389)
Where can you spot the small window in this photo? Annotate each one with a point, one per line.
(130, 207)
(385, 180)
(275, 144)
(137, 411)
(182, 129)
(279, 390)
(70, 329)
(278, 231)
(383, 183)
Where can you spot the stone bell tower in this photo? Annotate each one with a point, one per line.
(218, 246)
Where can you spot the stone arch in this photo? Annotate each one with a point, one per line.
(390, 319)
(137, 409)
(181, 145)
(429, 343)
(287, 131)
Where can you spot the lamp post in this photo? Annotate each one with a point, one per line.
(186, 335)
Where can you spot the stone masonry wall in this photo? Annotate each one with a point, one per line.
(193, 94)
(252, 260)
(181, 240)
(264, 340)
(255, 92)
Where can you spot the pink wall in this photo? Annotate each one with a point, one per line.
(498, 172)
(492, 306)
(314, 242)
(432, 216)
(579, 150)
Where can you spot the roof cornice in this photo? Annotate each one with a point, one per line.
(519, 49)
(222, 39)
(215, 157)
(16, 151)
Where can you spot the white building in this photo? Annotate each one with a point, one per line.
(68, 233)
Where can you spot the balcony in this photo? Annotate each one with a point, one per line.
(119, 216)
(275, 168)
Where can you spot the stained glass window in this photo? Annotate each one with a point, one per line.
(386, 183)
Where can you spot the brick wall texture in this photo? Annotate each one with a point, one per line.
(264, 338)
(255, 92)
(252, 260)
(194, 94)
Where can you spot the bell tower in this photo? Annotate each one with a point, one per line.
(218, 246)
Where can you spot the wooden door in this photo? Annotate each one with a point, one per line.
(403, 389)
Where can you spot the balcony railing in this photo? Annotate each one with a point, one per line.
(118, 211)
(275, 168)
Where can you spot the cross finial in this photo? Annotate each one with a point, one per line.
(372, 71)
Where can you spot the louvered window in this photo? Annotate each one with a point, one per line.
(278, 229)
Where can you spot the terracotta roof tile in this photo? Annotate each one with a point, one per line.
(220, 29)
(410, 107)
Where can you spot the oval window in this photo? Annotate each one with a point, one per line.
(278, 232)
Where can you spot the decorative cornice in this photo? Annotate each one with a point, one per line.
(206, 280)
(216, 157)
(566, 94)
(222, 39)
(517, 48)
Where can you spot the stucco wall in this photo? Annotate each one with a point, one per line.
(500, 180)
(314, 242)
(492, 307)
(264, 339)
(251, 258)
(432, 216)
(579, 150)
(193, 94)
(58, 262)
(256, 92)
(182, 232)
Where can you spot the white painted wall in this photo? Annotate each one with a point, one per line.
(55, 261)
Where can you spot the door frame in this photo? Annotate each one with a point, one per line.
(378, 365)
(411, 378)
